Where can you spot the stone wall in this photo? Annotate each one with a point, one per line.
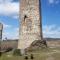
(8, 44)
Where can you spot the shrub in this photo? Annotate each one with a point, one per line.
(0, 53)
(17, 52)
(26, 58)
(31, 56)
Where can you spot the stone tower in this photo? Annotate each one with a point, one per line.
(1, 29)
(31, 25)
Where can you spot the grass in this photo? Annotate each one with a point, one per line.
(56, 56)
(42, 54)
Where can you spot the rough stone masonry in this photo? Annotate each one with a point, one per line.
(30, 23)
(1, 29)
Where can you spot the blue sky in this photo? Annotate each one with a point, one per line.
(9, 16)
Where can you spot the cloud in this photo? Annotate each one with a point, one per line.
(16, 16)
(53, 1)
(51, 31)
(9, 8)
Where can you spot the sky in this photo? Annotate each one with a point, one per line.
(9, 16)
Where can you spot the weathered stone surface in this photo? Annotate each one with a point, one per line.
(30, 27)
(1, 29)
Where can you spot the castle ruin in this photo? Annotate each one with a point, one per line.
(30, 23)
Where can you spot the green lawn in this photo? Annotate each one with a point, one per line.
(43, 54)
